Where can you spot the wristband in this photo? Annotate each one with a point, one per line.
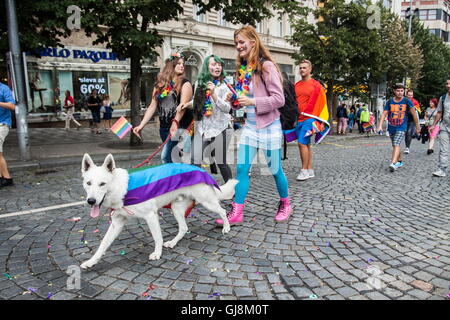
(176, 121)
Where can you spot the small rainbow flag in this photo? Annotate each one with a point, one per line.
(121, 127)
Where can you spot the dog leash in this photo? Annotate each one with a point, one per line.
(162, 145)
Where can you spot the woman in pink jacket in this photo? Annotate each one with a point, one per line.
(260, 91)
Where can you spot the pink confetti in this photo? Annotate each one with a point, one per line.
(96, 230)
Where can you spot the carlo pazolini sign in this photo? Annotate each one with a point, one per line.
(73, 54)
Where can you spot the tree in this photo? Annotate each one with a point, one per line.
(436, 65)
(41, 24)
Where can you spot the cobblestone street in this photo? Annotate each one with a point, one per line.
(358, 232)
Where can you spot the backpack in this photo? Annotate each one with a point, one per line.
(365, 116)
(288, 112)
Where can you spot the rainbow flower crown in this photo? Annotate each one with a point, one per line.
(174, 56)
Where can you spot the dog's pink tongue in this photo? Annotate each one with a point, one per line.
(95, 211)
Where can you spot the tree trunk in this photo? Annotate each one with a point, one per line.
(331, 111)
(136, 72)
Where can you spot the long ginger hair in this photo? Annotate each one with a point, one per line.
(167, 74)
(257, 54)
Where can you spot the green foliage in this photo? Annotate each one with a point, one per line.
(436, 66)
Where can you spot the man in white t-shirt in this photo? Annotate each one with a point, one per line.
(443, 113)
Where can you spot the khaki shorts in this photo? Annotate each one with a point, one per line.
(4, 130)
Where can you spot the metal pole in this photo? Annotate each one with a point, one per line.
(410, 18)
(20, 95)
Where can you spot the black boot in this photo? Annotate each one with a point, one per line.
(6, 182)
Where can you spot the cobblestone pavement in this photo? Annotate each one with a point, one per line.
(358, 232)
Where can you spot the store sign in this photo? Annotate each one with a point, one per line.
(94, 56)
(86, 81)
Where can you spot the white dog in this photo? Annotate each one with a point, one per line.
(107, 186)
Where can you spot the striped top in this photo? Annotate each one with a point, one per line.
(150, 182)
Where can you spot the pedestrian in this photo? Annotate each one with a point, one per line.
(395, 111)
(214, 127)
(107, 115)
(364, 120)
(430, 115)
(259, 89)
(351, 119)
(443, 117)
(342, 116)
(69, 108)
(409, 134)
(172, 88)
(7, 104)
(94, 104)
(358, 118)
(313, 116)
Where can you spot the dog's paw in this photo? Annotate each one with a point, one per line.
(88, 264)
(225, 229)
(170, 244)
(155, 256)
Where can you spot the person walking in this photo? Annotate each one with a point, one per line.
(94, 104)
(409, 134)
(342, 116)
(443, 117)
(214, 127)
(313, 117)
(172, 88)
(7, 105)
(395, 111)
(358, 118)
(107, 115)
(259, 89)
(351, 119)
(69, 108)
(430, 115)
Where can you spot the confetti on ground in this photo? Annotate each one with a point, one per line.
(96, 230)
(448, 295)
(189, 261)
(50, 295)
(370, 260)
(213, 269)
(215, 294)
(313, 296)
(328, 244)
(32, 290)
(74, 219)
(80, 231)
(8, 276)
(122, 252)
(258, 272)
(49, 246)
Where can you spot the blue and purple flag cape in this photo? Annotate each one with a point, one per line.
(149, 182)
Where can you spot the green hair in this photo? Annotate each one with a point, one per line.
(204, 76)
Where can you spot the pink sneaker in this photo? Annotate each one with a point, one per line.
(284, 210)
(235, 216)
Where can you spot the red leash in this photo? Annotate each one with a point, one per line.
(162, 145)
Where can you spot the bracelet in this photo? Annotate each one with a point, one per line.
(176, 121)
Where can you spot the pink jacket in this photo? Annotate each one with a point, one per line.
(269, 97)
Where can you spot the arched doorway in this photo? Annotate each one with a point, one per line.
(192, 65)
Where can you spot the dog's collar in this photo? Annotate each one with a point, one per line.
(131, 213)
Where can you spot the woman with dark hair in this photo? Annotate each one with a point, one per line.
(172, 88)
(212, 114)
(430, 114)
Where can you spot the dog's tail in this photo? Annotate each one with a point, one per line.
(226, 191)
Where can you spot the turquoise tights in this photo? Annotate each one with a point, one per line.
(246, 154)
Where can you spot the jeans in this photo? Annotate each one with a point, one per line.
(410, 133)
(166, 153)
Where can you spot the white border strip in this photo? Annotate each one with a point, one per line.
(20, 213)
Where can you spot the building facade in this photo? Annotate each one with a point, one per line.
(434, 14)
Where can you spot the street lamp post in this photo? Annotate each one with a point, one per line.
(20, 94)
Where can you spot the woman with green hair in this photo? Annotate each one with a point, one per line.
(213, 126)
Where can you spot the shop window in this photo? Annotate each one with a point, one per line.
(42, 92)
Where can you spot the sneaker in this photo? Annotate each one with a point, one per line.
(399, 164)
(439, 173)
(311, 173)
(430, 151)
(392, 167)
(406, 150)
(6, 182)
(304, 175)
(284, 210)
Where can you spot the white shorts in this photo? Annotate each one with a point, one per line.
(4, 130)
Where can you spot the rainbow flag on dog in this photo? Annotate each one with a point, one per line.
(121, 127)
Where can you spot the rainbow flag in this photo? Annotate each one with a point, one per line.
(317, 108)
(121, 127)
(146, 183)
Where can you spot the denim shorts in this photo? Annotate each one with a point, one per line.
(301, 130)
